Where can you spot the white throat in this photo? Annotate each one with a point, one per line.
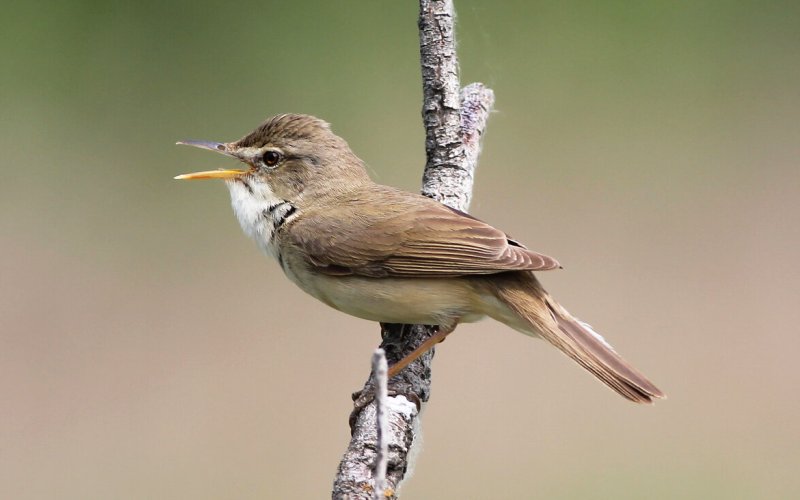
(259, 211)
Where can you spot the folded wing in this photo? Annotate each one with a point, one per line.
(413, 236)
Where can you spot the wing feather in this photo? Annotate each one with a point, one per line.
(412, 236)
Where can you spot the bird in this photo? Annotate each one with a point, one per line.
(382, 254)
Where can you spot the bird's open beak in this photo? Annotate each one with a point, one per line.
(217, 147)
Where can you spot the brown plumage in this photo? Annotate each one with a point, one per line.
(412, 236)
(382, 254)
(549, 320)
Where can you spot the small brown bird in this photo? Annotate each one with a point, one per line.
(386, 255)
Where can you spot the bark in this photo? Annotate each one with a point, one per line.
(454, 120)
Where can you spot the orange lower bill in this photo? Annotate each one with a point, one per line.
(211, 174)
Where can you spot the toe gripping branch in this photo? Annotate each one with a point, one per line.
(409, 352)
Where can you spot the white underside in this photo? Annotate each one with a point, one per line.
(249, 209)
(392, 300)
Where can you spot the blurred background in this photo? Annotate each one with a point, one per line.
(147, 349)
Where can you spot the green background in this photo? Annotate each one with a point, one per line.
(149, 351)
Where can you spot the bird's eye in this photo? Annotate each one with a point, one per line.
(271, 158)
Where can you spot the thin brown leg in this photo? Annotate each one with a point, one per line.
(422, 349)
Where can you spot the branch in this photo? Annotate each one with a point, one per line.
(380, 368)
(454, 121)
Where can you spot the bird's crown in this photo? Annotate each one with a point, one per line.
(288, 127)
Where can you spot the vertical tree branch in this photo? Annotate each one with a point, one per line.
(446, 168)
(454, 121)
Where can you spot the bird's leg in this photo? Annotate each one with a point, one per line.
(442, 332)
(365, 396)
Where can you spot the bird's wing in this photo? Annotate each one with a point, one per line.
(407, 236)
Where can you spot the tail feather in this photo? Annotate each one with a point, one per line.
(548, 319)
(592, 352)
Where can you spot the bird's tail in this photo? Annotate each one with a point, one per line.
(533, 311)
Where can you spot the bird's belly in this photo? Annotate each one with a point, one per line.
(395, 300)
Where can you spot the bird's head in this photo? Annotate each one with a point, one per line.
(289, 157)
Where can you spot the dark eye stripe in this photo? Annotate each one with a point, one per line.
(310, 159)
